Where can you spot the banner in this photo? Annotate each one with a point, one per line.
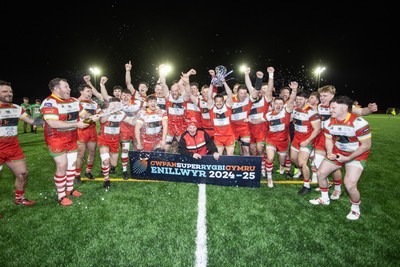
(227, 171)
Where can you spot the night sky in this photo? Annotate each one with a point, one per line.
(355, 42)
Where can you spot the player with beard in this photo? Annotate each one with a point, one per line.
(11, 153)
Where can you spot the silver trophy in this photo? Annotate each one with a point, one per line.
(220, 75)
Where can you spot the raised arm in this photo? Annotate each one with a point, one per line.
(187, 93)
(128, 80)
(210, 93)
(290, 104)
(247, 81)
(103, 89)
(253, 92)
(270, 89)
(163, 81)
(210, 100)
(96, 93)
(229, 94)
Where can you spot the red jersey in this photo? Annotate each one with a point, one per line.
(347, 134)
(221, 119)
(302, 120)
(9, 118)
(54, 108)
(278, 124)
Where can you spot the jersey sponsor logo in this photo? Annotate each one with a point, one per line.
(177, 105)
(342, 139)
(9, 122)
(220, 115)
(237, 110)
(324, 117)
(154, 124)
(275, 122)
(48, 105)
(297, 122)
(72, 116)
(114, 124)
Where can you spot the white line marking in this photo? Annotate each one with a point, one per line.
(201, 239)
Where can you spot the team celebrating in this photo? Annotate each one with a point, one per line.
(319, 132)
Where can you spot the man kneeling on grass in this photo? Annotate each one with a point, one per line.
(196, 142)
(348, 143)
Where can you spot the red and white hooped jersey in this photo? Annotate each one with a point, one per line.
(347, 134)
(9, 118)
(176, 109)
(324, 113)
(193, 111)
(221, 119)
(278, 124)
(92, 108)
(259, 108)
(113, 124)
(240, 110)
(54, 108)
(302, 120)
(152, 121)
(205, 113)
